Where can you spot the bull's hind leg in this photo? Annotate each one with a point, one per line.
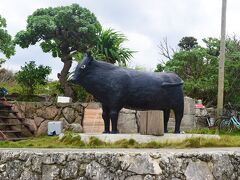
(178, 118)
(166, 114)
(114, 121)
(106, 118)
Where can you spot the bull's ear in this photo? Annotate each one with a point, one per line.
(89, 55)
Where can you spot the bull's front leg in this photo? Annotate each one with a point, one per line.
(114, 121)
(106, 118)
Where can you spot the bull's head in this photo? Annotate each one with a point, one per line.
(81, 68)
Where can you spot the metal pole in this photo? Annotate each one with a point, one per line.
(221, 60)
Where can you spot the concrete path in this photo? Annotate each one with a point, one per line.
(121, 150)
(144, 138)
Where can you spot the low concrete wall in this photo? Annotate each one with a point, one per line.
(129, 164)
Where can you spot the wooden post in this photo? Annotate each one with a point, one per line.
(221, 60)
(151, 123)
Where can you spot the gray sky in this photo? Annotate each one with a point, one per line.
(145, 23)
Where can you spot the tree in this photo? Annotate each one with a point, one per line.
(6, 44)
(63, 31)
(165, 50)
(188, 43)
(198, 68)
(109, 48)
(30, 76)
(159, 68)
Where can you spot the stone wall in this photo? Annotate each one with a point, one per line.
(37, 115)
(114, 164)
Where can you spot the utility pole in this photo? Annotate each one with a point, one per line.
(221, 60)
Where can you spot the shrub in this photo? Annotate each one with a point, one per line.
(30, 76)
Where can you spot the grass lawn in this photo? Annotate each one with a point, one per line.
(72, 140)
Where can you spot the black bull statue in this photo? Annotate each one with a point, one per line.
(117, 87)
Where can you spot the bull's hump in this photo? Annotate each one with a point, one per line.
(170, 79)
(165, 79)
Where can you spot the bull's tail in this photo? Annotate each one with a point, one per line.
(168, 84)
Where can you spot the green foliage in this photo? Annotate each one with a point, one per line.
(109, 48)
(30, 76)
(95, 142)
(80, 94)
(203, 131)
(7, 46)
(198, 67)
(12, 87)
(159, 68)
(188, 43)
(50, 88)
(63, 31)
(125, 143)
(72, 139)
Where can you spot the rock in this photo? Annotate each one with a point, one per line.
(30, 124)
(37, 164)
(71, 170)
(29, 110)
(40, 112)
(50, 172)
(189, 120)
(198, 170)
(28, 175)
(148, 177)
(127, 121)
(128, 111)
(135, 177)
(4, 176)
(69, 114)
(95, 171)
(79, 120)
(2, 167)
(74, 127)
(222, 168)
(38, 120)
(14, 173)
(18, 109)
(50, 113)
(140, 165)
(54, 159)
(43, 128)
(64, 121)
(78, 107)
(189, 106)
(63, 105)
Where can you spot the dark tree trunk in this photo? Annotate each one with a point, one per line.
(68, 91)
